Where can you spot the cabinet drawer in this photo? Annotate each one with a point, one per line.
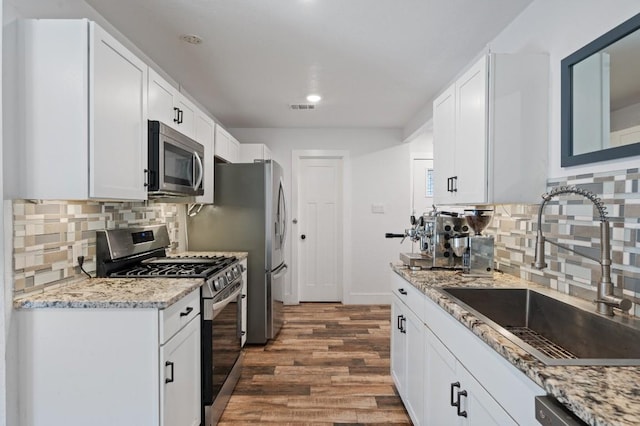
(176, 316)
(409, 295)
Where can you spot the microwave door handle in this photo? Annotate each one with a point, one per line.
(200, 171)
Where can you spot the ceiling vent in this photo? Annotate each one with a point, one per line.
(302, 107)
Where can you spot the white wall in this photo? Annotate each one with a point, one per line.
(5, 289)
(379, 174)
(560, 28)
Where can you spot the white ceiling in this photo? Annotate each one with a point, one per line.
(375, 62)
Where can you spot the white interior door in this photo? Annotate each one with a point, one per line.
(319, 229)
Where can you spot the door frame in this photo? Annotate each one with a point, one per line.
(296, 157)
(415, 156)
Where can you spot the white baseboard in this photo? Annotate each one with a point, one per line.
(368, 299)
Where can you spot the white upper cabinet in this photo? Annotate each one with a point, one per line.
(227, 147)
(251, 152)
(205, 131)
(84, 110)
(490, 131)
(168, 105)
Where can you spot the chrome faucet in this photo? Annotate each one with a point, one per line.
(605, 301)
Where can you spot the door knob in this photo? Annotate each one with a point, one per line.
(303, 236)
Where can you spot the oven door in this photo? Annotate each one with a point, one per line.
(221, 348)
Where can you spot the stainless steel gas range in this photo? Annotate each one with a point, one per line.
(141, 252)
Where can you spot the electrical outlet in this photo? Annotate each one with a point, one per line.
(77, 251)
(377, 208)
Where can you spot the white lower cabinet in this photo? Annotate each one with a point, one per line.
(105, 367)
(180, 369)
(445, 374)
(407, 356)
(452, 395)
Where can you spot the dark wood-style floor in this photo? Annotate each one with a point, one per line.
(329, 365)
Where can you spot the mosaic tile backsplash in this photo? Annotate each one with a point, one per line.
(569, 220)
(49, 235)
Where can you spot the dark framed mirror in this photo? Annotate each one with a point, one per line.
(600, 98)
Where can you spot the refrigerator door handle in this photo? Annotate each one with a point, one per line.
(281, 271)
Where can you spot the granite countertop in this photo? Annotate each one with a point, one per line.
(117, 293)
(599, 395)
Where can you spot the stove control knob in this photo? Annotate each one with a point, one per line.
(223, 282)
(216, 284)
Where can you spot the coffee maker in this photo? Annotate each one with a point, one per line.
(478, 257)
(442, 238)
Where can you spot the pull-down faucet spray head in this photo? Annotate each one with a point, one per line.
(606, 300)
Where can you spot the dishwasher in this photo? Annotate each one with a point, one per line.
(550, 412)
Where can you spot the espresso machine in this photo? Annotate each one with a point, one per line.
(478, 258)
(442, 238)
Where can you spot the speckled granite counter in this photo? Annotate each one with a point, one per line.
(598, 395)
(111, 293)
(117, 293)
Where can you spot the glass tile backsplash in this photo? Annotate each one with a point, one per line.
(48, 235)
(570, 220)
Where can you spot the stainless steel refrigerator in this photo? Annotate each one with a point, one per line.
(249, 214)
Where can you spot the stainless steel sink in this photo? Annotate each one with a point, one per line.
(557, 332)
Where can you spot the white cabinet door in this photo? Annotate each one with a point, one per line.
(471, 135)
(160, 97)
(119, 120)
(251, 152)
(414, 366)
(222, 143)
(227, 147)
(205, 128)
(83, 113)
(440, 383)
(187, 112)
(453, 395)
(480, 407)
(234, 150)
(398, 360)
(444, 151)
(492, 149)
(180, 377)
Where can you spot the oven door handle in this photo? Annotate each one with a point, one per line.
(200, 171)
(221, 304)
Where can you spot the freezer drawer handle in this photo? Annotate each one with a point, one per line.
(281, 271)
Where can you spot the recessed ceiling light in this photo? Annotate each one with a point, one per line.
(314, 98)
(191, 38)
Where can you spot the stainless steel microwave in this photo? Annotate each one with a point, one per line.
(176, 166)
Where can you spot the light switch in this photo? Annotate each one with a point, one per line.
(377, 208)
